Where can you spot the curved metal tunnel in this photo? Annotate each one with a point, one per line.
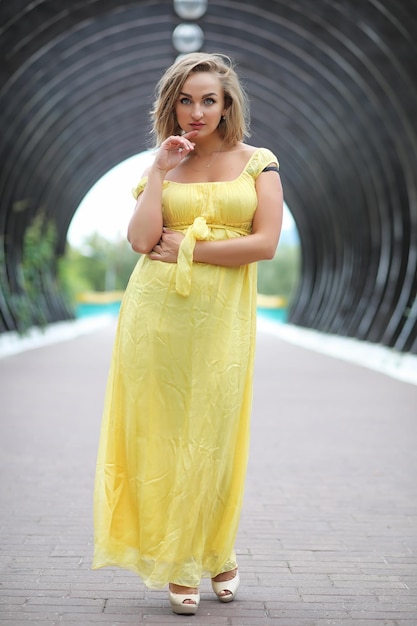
(333, 89)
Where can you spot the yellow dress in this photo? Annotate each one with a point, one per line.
(174, 441)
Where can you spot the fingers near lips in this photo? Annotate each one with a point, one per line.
(182, 143)
(187, 146)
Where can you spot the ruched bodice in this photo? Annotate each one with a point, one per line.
(174, 440)
(230, 203)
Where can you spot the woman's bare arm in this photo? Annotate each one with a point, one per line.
(145, 227)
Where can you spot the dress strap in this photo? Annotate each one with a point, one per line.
(271, 168)
(198, 231)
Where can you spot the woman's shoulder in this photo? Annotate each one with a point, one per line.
(245, 148)
(256, 158)
(247, 151)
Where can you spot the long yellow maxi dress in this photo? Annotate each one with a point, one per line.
(174, 441)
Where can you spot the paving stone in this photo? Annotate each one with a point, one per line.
(328, 534)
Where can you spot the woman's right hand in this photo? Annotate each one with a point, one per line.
(173, 150)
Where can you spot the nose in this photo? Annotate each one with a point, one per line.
(197, 112)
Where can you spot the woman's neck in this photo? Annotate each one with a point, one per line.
(206, 148)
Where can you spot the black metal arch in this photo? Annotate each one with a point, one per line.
(333, 88)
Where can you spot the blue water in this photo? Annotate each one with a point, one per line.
(276, 315)
(85, 309)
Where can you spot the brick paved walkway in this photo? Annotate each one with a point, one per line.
(329, 528)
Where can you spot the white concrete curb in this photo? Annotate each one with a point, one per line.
(13, 343)
(373, 356)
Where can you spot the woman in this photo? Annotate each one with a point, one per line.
(174, 442)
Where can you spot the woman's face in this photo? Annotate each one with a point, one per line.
(200, 105)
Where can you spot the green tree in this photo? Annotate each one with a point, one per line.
(97, 265)
(280, 276)
(36, 275)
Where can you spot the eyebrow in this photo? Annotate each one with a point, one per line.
(206, 95)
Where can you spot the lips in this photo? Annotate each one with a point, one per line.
(197, 126)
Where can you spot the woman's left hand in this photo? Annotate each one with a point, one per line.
(166, 249)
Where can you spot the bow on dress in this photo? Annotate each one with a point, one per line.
(198, 231)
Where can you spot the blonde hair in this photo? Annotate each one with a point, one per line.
(164, 121)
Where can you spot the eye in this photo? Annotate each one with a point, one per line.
(185, 100)
(209, 101)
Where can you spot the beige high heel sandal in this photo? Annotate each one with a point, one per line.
(179, 604)
(231, 586)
